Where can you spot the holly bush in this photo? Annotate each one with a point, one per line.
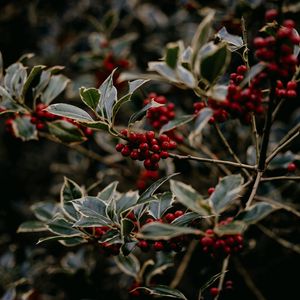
(171, 142)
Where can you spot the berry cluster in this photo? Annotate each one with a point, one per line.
(277, 50)
(239, 103)
(110, 63)
(40, 116)
(159, 116)
(220, 246)
(289, 91)
(175, 244)
(145, 177)
(145, 147)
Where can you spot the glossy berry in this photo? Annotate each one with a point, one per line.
(210, 190)
(158, 246)
(271, 15)
(291, 167)
(214, 291)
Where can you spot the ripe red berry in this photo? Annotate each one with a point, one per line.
(155, 157)
(150, 135)
(214, 291)
(124, 132)
(210, 190)
(155, 148)
(271, 15)
(164, 154)
(172, 145)
(241, 69)
(206, 241)
(259, 42)
(144, 146)
(178, 213)
(170, 217)
(126, 151)
(144, 245)
(158, 246)
(119, 147)
(291, 167)
(134, 155)
(289, 23)
(291, 94)
(291, 85)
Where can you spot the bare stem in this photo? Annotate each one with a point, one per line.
(280, 178)
(223, 273)
(279, 240)
(281, 147)
(213, 161)
(230, 150)
(183, 265)
(255, 136)
(254, 189)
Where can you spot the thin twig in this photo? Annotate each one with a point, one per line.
(279, 205)
(223, 274)
(280, 147)
(245, 40)
(279, 240)
(230, 150)
(248, 280)
(183, 265)
(280, 178)
(277, 109)
(255, 136)
(254, 189)
(213, 161)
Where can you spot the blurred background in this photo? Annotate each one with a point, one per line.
(82, 35)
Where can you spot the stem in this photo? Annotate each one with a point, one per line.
(255, 136)
(248, 280)
(245, 39)
(254, 189)
(214, 161)
(183, 265)
(267, 129)
(223, 271)
(279, 240)
(280, 178)
(228, 147)
(281, 146)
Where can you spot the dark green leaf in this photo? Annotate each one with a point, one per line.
(151, 190)
(234, 42)
(92, 221)
(128, 264)
(255, 213)
(108, 192)
(188, 197)
(186, 219)
(161, 231)
(234, 227)
(66, 132)
(126, 201)
(173, 53)
(90, 97)
(61, 227)
(24, 129)
(35, 71)
(164, 70)
(44, 211)
(32, 226)
(177, 123)
(163, 203)
(186, 77)
(226, 192)
(72, 241)
(91, 207)
(69, 111)
(214, 63)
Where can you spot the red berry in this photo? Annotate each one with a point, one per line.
(132, 137)
(144, 146)
(155, 157)
(150, 135)
(214, 291)
(259, 42)
(119, 147)
(289, 23)
(178, 213)
(172, 145)
(291, 167)
(124, 132)
(40, 126)
(164, 154)
(291, 94)
(169, 217)
(271, 15)
(126, 151)
(143, 245)
(158, 246)
(206, 241)
(291, 85)
(134, 155)
(210, 190)
(241, 69)
(155, 148)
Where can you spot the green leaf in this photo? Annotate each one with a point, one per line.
(226, 192)
(66, 132)
(35, 71)
(58, 238)
(92, 221)
(173, 54)
(186, 77)
(126, 228)
(163, 203)
(100, 125)
(32, 226)
(163, 291)
(61, 227)
(202, 34)
(128, 264)
(44, 80)
(235, 227)
(126, 201)
(108, 97)
(141, 113)
(177, 123)
(218, 92)
(161, 231)
(56, 85)
(24, 129)
(189, 197)
(72, 241)
(128, 247)
(152, 188)
(256, 212)
(214, 63)
(44, 211)
(164, 70)
(91, 207)
(108, 192)
(195, 136)
(90, 97)
(234, 42)
(186, 219)
(253, 72)
(70, 191)
(69, 111)
(110, 21)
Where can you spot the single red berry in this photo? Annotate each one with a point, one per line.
(206, 241)
(158, 246)
(178, 213)
(259, 42)
(40, 126)
(289, 23)
(291, 167)
(155, 148)
(134, 155)
(124, 132)
(291, 85)
(291, 94)
(164, 154)
(170, 217)
(150, 135)
(172, 145)
(119, 147)
(144, 146)
(144, 245)
(126, 151)
(271, 15)
(155, 157)
(210, 190)
(209, 231)
(241, 69)
(214, 291)
(133, 137)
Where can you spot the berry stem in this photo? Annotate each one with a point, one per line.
(183, 265)
(213, 161)
(223, 274)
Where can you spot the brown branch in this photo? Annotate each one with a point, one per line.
(223, 274)
(254, 189)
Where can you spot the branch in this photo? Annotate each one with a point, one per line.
(183, 265)
(223, 273)
(230, 150)
(213, 161)
(280, 178)
(254, 189)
